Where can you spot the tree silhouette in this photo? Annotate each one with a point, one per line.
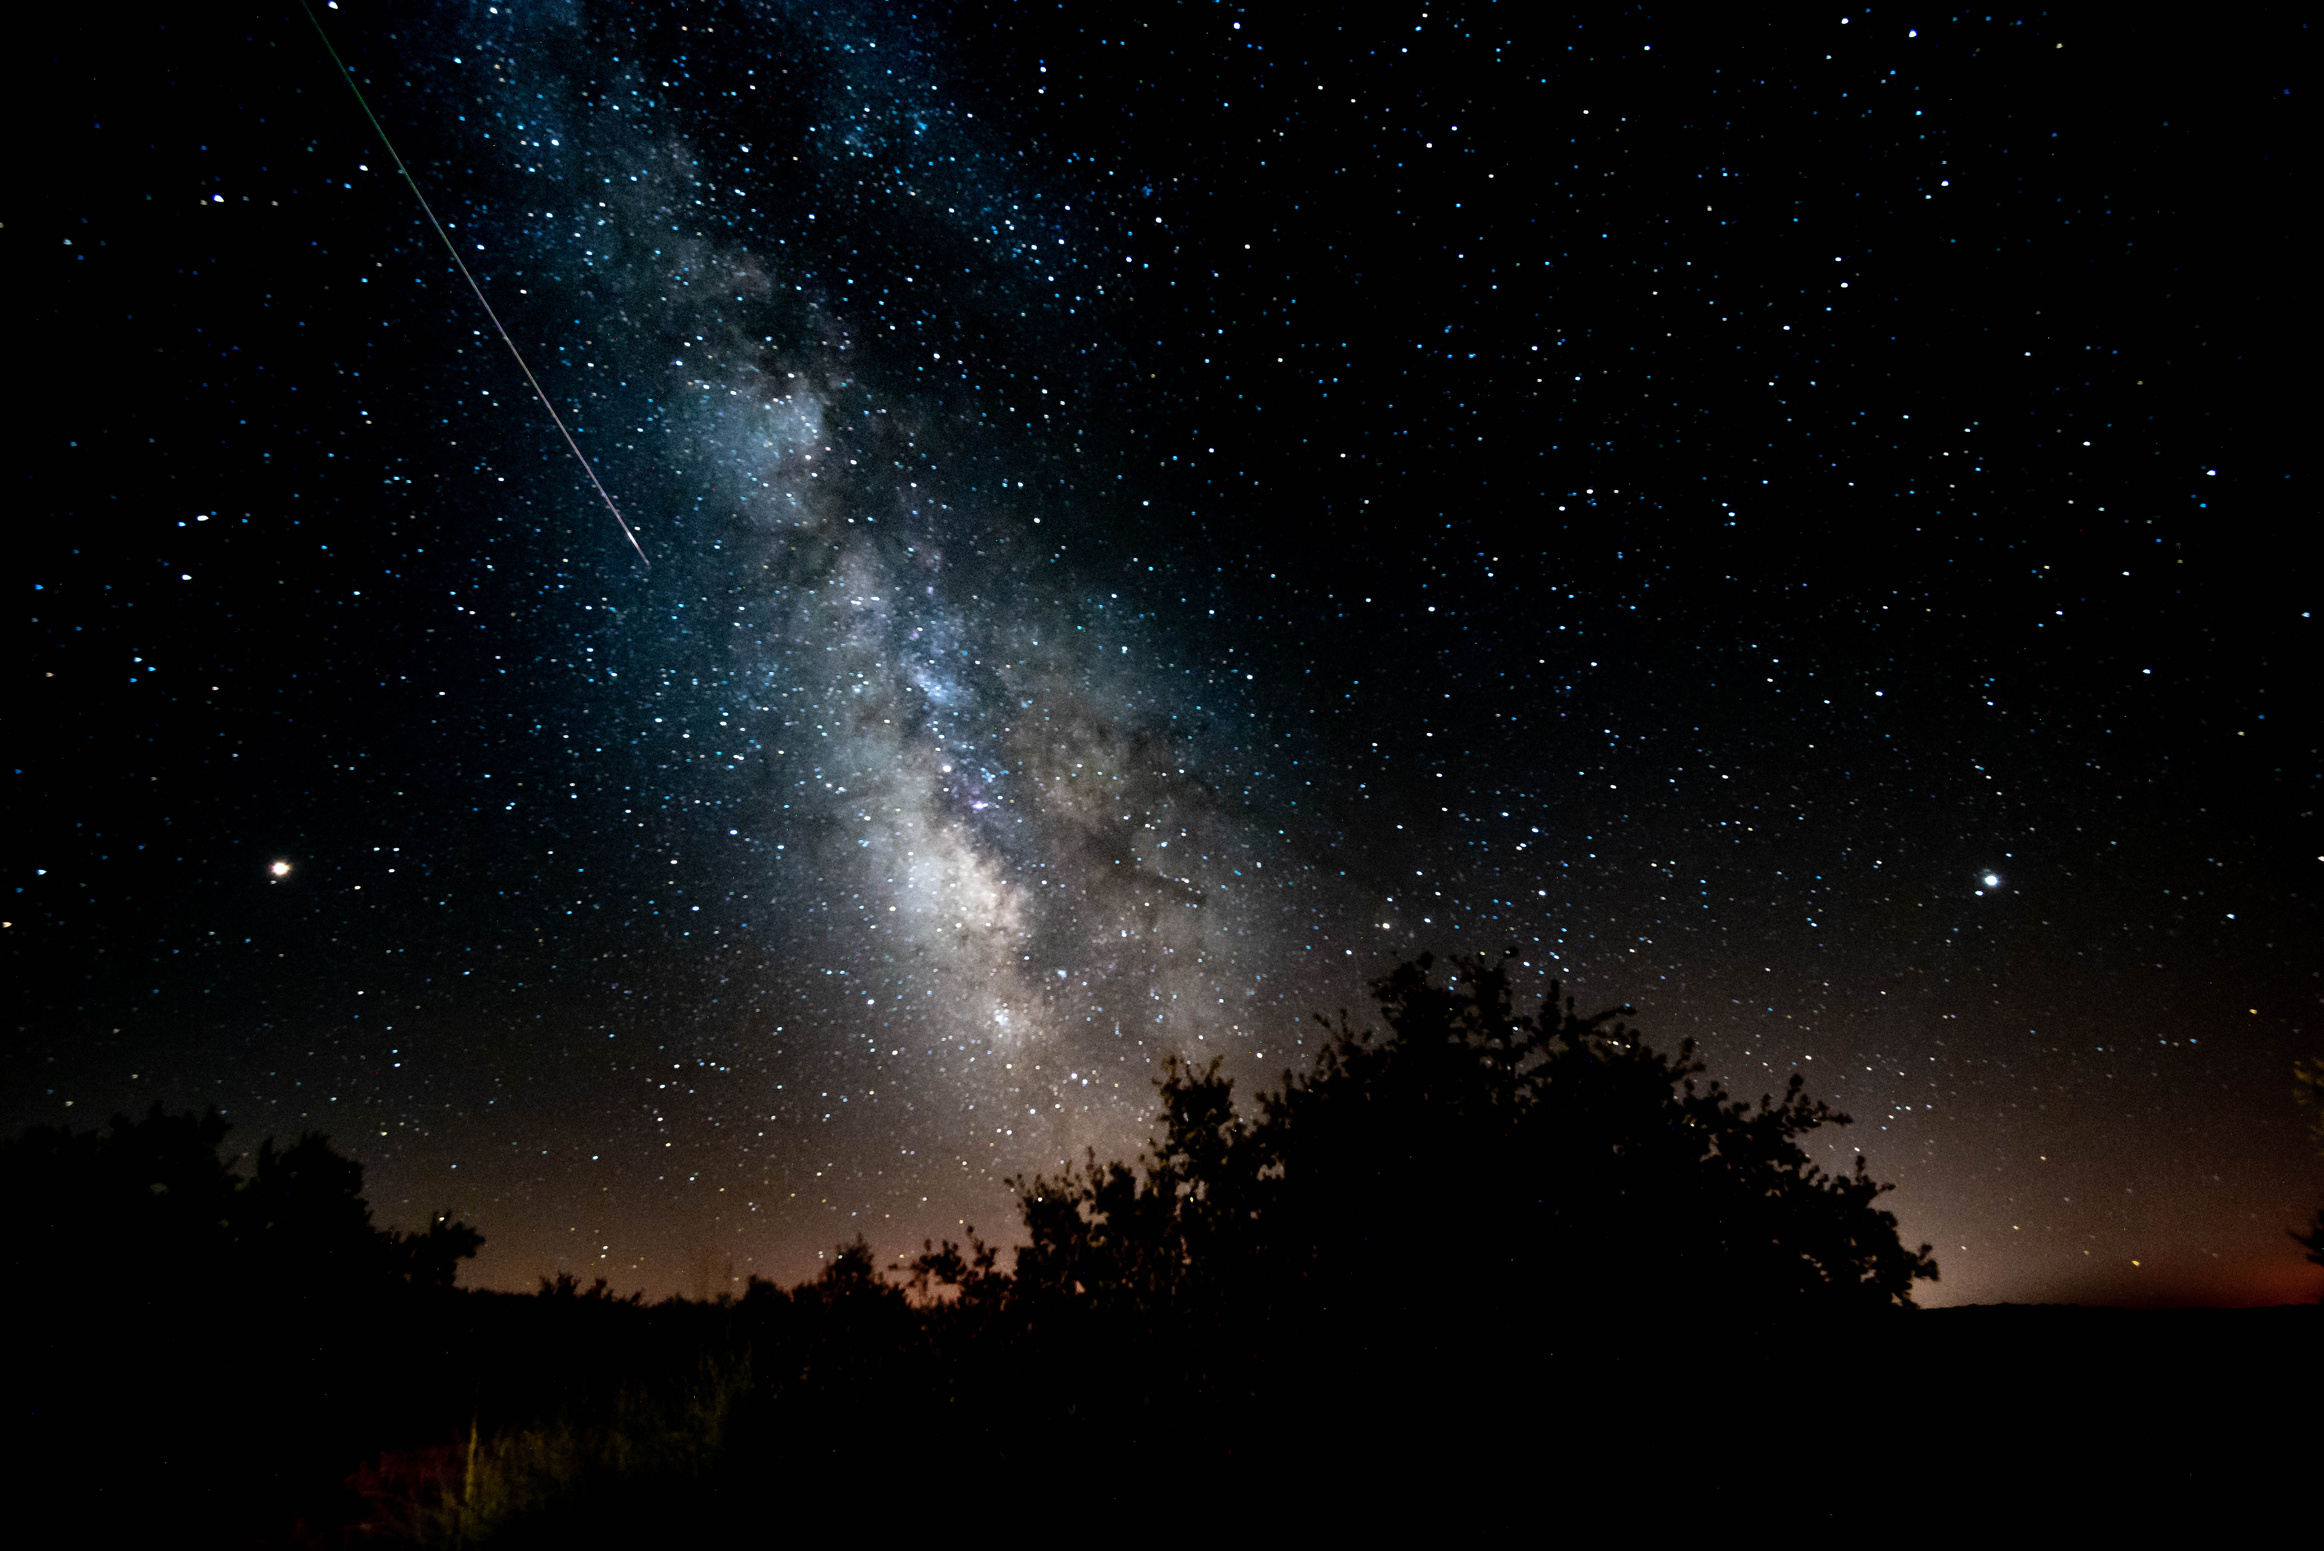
(432, 1259)
(1555, 1158)
(942, 1276)
(158, 1198)
(568, 1286)
(301, 1217)
(153, 1194)
(2308, 1094)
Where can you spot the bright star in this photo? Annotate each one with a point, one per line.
(1993, 880)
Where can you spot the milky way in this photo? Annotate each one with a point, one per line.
(1153, 518)
(977, 817)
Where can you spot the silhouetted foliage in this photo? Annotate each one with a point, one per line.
(2313, 1239)
(432, 1258)
(208, 1346)
(858, 1322)
(850, 1276)
(942, 1277)
(1472, 1223)
(2308, 1094)
(158, 1197)
(1473, 1152)
(568, 1286)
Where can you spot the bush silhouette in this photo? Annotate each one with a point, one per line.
(1472, 1152)
(2308, 1093)
(157, 1202)
(1518, 1184)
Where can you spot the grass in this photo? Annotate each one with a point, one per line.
(514, 1486)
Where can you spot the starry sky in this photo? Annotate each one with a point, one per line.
(1148, 514)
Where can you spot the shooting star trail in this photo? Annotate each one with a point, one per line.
(462, 265)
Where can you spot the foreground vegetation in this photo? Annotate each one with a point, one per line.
(1479, 1243)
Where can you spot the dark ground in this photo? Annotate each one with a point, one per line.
(242, 1428)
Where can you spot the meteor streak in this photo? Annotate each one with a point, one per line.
(461, 264)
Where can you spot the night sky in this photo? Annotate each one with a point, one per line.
(1156, 512)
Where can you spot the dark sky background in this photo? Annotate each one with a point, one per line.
(1156, 512)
